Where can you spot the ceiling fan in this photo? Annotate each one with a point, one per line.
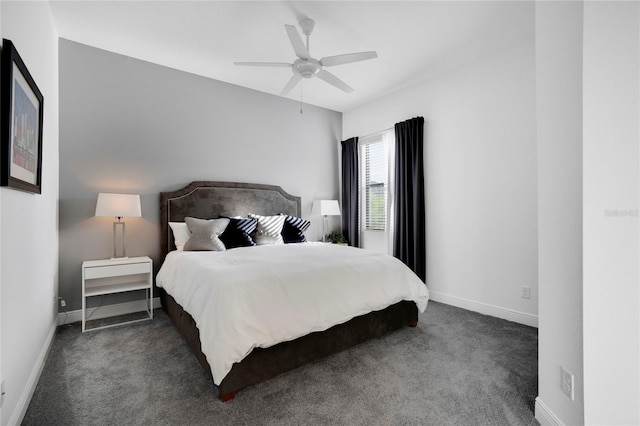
(308, 67)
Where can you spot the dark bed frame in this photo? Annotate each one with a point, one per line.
(211, 199)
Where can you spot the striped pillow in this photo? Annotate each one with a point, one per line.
(269, 229)
(238, 232)
(293, 229)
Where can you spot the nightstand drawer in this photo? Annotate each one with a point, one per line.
(116, 270)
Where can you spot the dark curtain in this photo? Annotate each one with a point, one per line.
(350, 191)
(409, 244)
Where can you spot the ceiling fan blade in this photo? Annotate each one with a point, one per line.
(348, 58)
(334, 81)
(297, 43)
(263, 64)
(295, 79)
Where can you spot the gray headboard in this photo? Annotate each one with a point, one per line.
(208, 200)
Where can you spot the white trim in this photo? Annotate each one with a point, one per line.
(376, 133)
(32, 382)
(545, 416)
(485, 308)
(107, 311)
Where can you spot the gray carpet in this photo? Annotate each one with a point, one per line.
(456, 368)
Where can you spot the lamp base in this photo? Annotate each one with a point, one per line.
(123, 254)
(324, 229)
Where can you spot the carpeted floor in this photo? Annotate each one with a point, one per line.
(457, 368)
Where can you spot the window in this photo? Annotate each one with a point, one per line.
(374, 183)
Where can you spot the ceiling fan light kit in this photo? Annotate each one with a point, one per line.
(306, 66)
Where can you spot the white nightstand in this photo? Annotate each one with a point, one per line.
(100, 277)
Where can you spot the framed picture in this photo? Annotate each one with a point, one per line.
(21, 111)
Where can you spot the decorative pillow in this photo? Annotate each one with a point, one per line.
(205, 234)
(181, 234)
(269, 229)
(293, 229)
(238, 232)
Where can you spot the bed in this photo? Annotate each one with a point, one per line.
(214, 199)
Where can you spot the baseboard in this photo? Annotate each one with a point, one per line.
(107, 311)
(545, 416)
(32, 382)
(485, 308)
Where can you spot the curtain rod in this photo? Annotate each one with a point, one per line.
(375, 133)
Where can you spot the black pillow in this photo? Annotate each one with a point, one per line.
(238, 232)
(293, 229)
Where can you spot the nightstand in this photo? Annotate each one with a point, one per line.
(100, 277)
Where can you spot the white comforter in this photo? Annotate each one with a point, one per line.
(260, 296)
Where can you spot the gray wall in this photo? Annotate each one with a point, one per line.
(134, 127)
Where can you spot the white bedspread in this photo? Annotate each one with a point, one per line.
(260, 296)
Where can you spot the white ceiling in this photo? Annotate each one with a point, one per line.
(413, 39)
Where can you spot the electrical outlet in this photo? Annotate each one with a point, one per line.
(63, 303)
(567, 383)
(526, 292)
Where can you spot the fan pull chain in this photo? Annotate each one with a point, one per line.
(300, 97)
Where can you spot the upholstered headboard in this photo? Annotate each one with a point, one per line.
(208, 200)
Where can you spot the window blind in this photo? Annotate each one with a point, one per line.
(375, 176)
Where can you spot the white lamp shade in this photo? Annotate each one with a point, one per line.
(118, 205)
(325, 208)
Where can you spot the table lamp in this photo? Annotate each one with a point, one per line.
(119, 206)
(325, 208)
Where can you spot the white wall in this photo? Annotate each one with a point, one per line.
(611, 245)
(480, 172)
(28, 223)
(588, 70)
(559, 133)
(1, 375)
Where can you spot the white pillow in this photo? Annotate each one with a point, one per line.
(269, 229)
(181, 234)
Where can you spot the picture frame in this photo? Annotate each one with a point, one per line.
(21, 117)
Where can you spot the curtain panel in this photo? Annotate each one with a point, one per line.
(350, 214)
(409, 242)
